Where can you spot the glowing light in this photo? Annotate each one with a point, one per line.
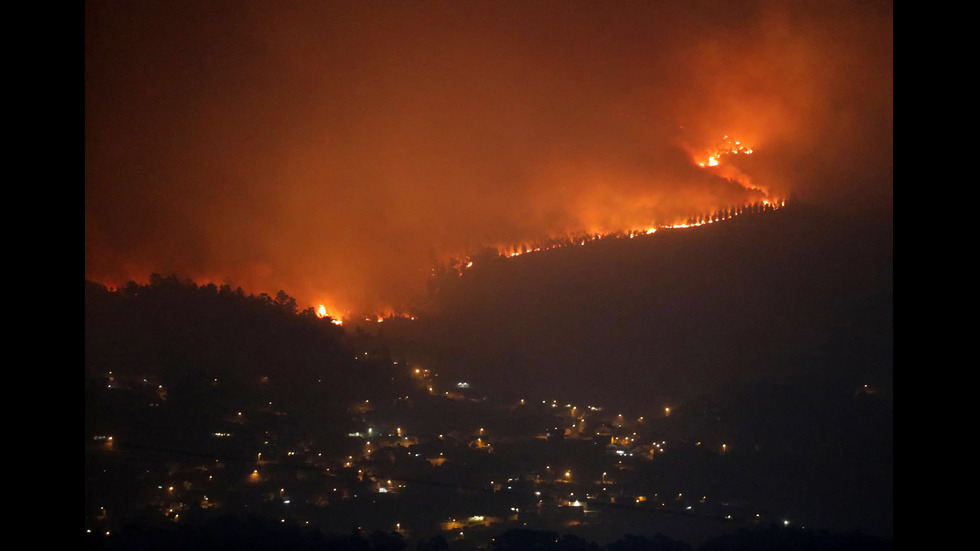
(335, 319)
(711, 158)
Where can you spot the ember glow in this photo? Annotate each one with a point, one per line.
(513, 251)
(710, 159)
(335, 318)
(338, 150)
(727, 147)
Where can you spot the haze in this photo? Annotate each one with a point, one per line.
(338, 150)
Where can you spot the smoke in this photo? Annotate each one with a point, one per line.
(337, 150)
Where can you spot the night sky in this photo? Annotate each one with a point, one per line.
(338, 150)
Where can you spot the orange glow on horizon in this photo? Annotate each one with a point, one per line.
(334, 166)
(524, 249)
(711, 160)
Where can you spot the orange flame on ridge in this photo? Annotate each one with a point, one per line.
(334, 318)
(712, 158)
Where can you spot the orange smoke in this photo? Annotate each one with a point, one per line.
(337, 151)
(710, 159)
(729, 147)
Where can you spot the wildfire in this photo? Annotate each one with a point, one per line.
(710, 158)
(728, 146)
(579, 241)
(334, 318)
(713, 159)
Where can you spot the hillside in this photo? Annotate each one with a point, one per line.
(759, 334)
(661, 318)
(169, 363)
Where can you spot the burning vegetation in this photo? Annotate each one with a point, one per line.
(714, 159)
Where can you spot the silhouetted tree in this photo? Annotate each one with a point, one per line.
(790, 539)
(658, 542)
(570, 542)
(521, 539)
(387, 541)
(287, 302)
(435, 543)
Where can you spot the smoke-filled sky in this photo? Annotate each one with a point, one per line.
(338, 150)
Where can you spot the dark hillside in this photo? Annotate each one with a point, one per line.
(760, 332)
(170, 363)
(650, 321)
(175, 329)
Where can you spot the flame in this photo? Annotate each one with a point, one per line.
(727, 146)
(715, 158)
(712, 161)
(557, 243)
(711, 158)
(335, 319)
